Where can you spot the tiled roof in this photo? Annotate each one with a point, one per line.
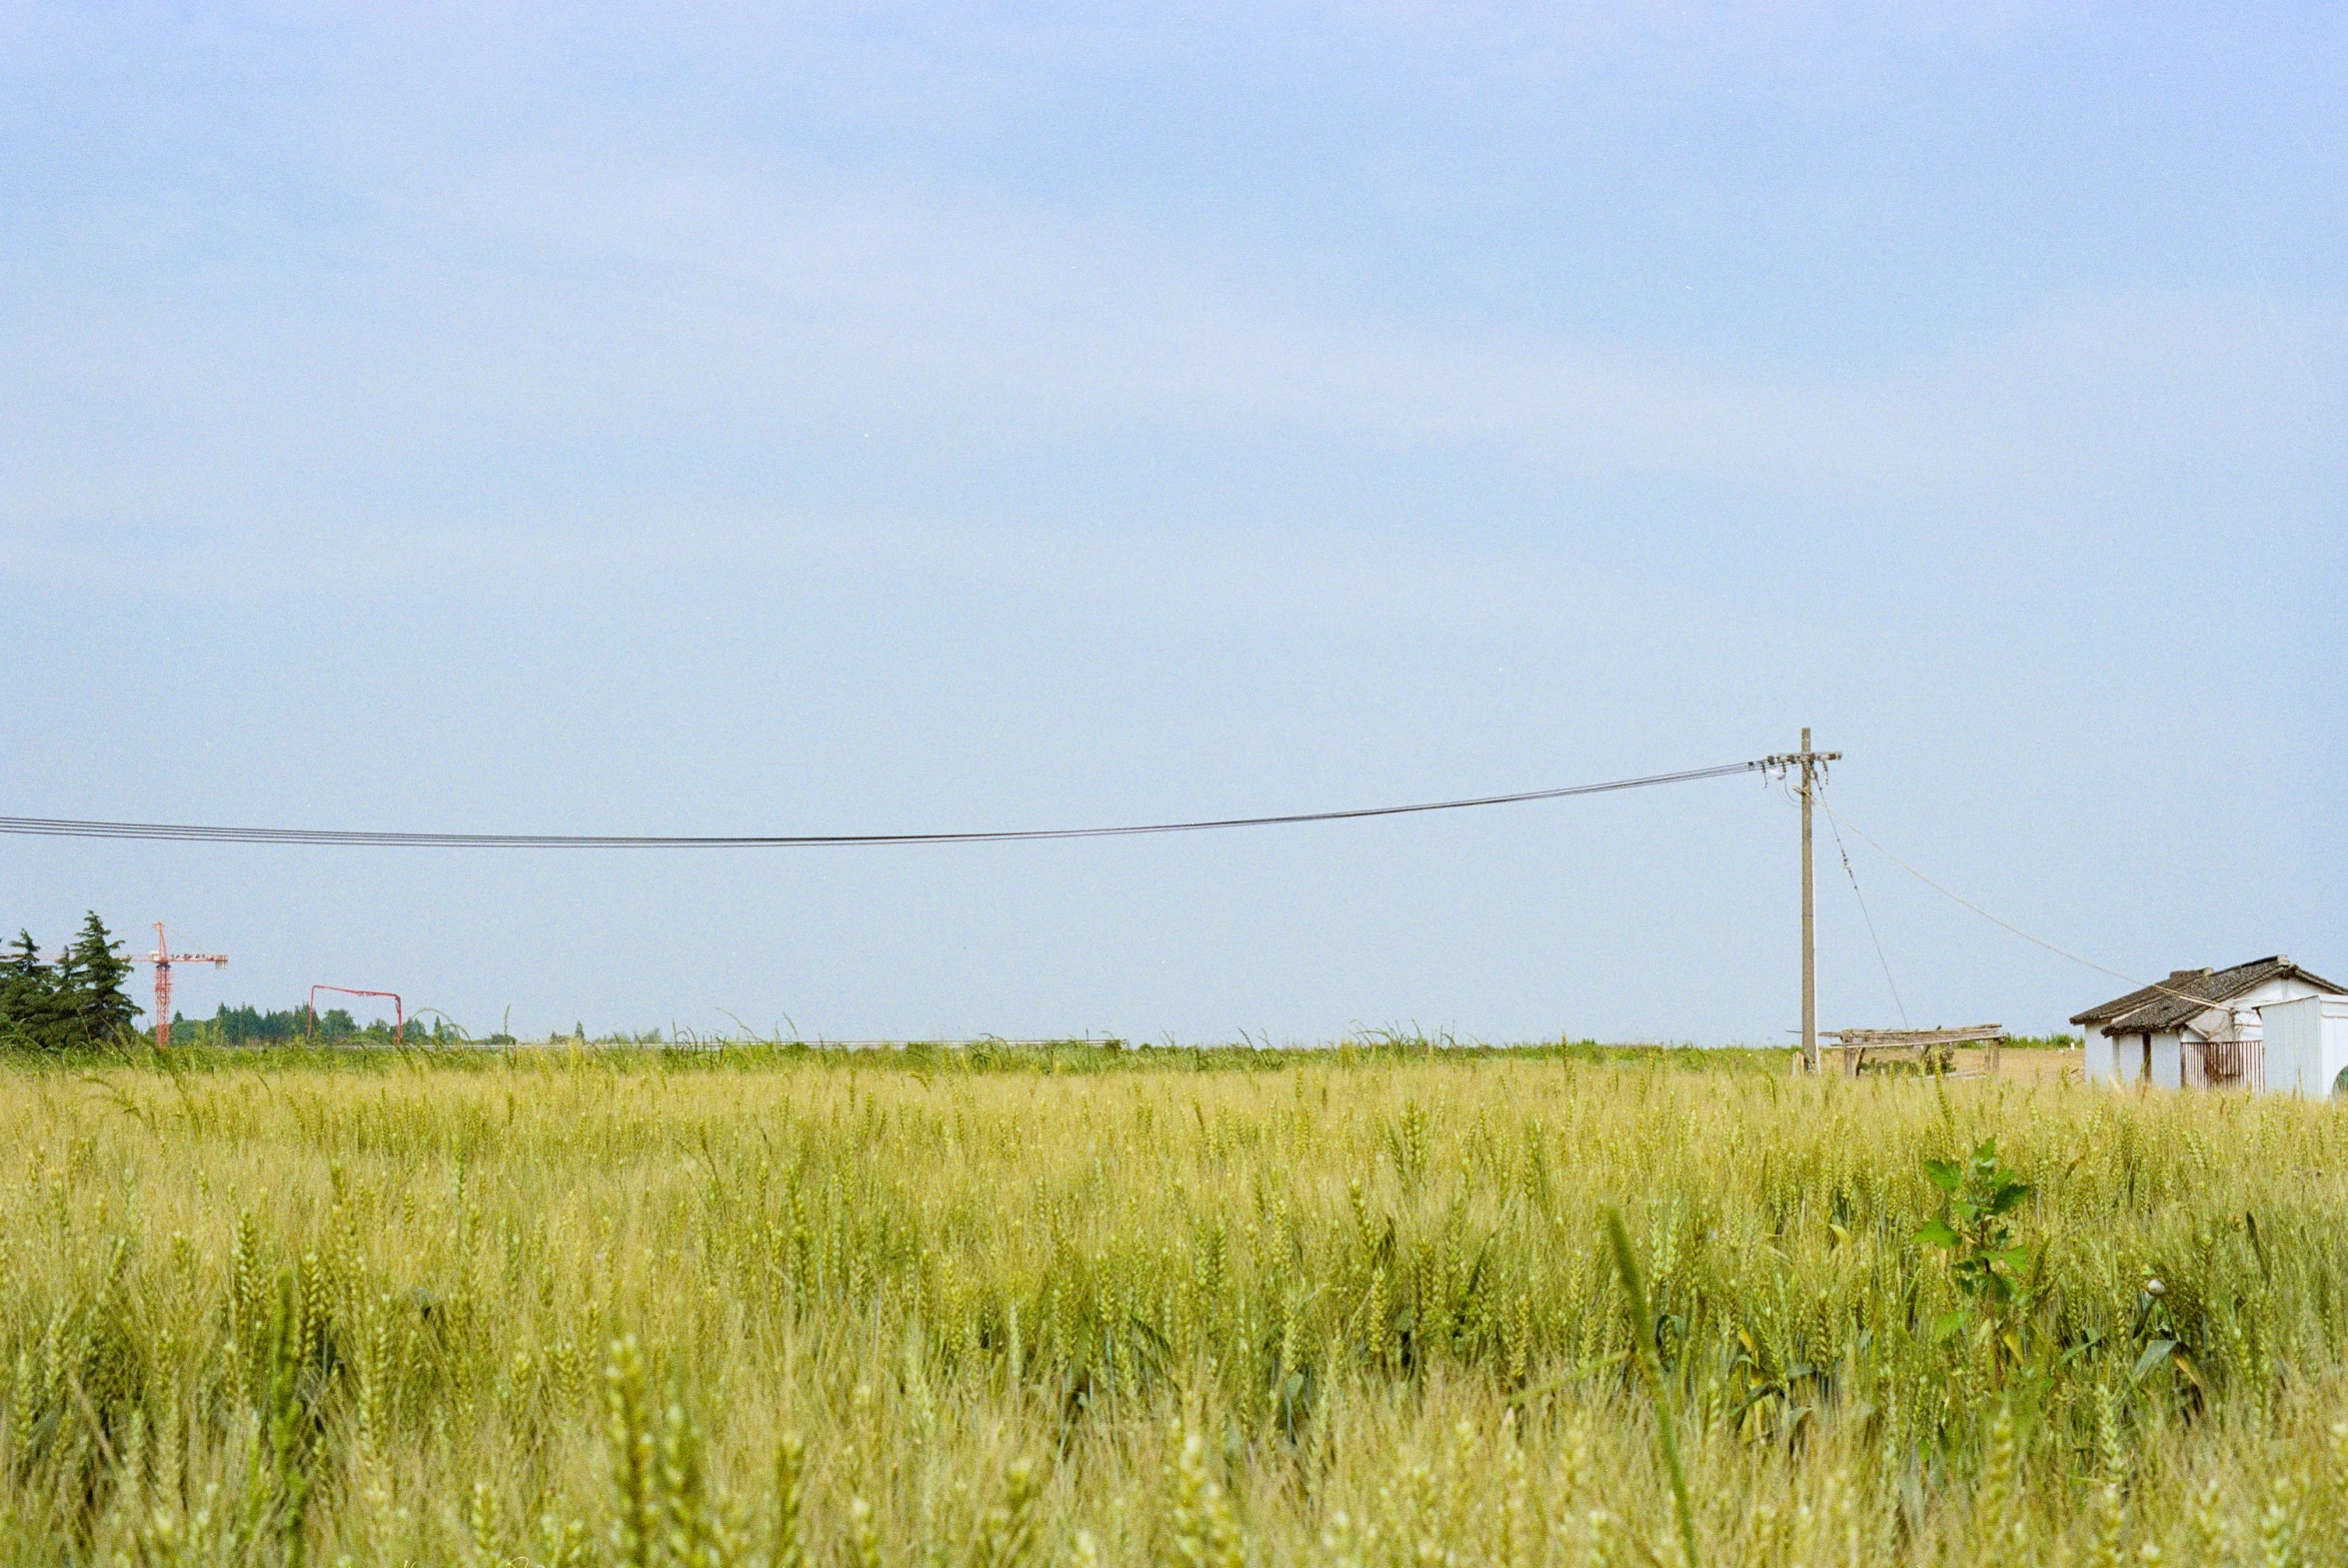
(2188, 994)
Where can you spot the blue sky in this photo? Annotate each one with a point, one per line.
(870, 418)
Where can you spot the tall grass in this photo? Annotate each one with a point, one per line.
(1350, 1308)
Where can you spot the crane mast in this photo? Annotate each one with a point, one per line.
(163, 959)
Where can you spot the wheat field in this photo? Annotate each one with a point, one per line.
(932, 1309)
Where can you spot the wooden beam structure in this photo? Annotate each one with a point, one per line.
(1925, 1047)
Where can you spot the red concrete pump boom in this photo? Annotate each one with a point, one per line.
(399, 1012)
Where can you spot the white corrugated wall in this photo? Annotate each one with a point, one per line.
(2306, 1044)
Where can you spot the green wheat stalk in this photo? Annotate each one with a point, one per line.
(1651, 1373)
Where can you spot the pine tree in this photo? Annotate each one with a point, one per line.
(92, 1007)
(27, 995)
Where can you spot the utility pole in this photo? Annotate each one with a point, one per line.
(1809, 919)
(1812, 767)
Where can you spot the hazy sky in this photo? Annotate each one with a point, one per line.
(869, 417)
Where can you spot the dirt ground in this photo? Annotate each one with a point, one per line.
(2028, 1064)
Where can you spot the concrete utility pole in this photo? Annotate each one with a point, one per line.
(1809, 918)
(1811, 765)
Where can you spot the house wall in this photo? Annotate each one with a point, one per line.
(2097, 1047)
(2119, 1060)
(2168, 1066)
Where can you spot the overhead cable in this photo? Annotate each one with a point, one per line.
(61, 827)
(1865, 914)
(1995, 919)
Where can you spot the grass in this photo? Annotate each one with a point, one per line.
(932, 1310)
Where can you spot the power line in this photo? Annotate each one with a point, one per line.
(60, 828)
(1995, 919)
(1836, 828)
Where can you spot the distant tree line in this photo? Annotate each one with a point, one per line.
(74, 1003)
(293, 1026)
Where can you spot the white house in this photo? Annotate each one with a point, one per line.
(2201, 1028)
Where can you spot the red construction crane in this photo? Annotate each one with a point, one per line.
(163, 959)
